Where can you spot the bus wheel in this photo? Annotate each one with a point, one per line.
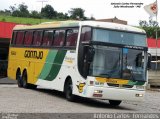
(24, 78)
(19, 79)
(68, 91)
(115, 102)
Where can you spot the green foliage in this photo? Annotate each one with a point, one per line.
(21, 20)
(21, 11)
(3, 19)
(35, 14)
(48, 12)
(77, 13)
(60, 15)
(150, 27)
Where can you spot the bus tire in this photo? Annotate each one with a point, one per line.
(24, 78)
(19, 79)
(115, 102)
(69, 90)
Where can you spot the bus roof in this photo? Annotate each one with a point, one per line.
(54, 24)
(113, 26)
(98, 24)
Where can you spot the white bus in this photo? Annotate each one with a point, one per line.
(88, 58)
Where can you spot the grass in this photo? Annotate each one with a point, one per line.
(21, 20)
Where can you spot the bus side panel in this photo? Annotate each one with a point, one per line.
(54, 78)
(57, 68)
(26, 58)
(34, 63)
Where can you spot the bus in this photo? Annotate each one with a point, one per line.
(90, 59)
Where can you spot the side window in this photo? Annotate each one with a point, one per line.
(59, 36)
(19, 38)
(48, 38)
(71, 38)
(85, 34)
(28, 38)
(13, 37)
(37, 38)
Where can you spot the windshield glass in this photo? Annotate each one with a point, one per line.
(119, 37)
(113, 62)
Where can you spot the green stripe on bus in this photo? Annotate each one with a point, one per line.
(48, 64)
(56, 65)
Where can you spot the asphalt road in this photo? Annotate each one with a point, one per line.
(19, 100)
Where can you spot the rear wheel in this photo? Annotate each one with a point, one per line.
(115, 102)
(19, 79)
(24, 78)
(25, 82)
(69, 91)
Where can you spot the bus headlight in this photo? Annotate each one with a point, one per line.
(95, 83)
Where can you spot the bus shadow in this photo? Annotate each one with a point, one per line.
(84, 101)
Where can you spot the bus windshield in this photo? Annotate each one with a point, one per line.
(115, 62)
(119, 37)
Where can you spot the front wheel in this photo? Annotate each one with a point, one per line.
(68, 91)
(115, 102)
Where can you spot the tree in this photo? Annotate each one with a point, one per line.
(35, 14)
(48, 12)
(60, 15)
(143, 23)
(21, 11)
(150, 28)
(13, 8)
(77, 13)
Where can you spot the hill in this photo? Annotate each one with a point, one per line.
(21, 20)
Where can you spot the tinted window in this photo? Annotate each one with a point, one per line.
(119, 37)
(37, 38)
(86, 34)
(19, 38)
(59, 38)
(71, 38)
(14, 37)
(48, 38)
(28, 38)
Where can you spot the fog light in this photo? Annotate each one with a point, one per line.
(97, 95)
(98, 91)
(139, 95)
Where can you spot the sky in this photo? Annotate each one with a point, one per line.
(99, 9)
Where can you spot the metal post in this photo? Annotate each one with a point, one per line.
(42, 1)
(156, 35)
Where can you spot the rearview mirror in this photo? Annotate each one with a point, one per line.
(91, 52)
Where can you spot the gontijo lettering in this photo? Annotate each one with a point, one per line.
(33, 54)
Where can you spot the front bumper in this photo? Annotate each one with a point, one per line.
(112, 93)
